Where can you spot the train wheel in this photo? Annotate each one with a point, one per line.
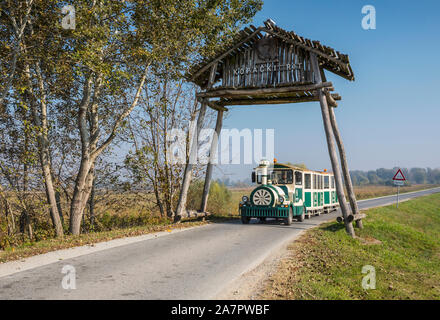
(262, 219)
(245, 220)
(289, 219)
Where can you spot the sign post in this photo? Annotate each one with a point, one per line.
(399, 180)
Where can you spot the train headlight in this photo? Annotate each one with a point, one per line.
(245, 199)
(281, 199)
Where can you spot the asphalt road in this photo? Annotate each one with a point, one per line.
(194, 264)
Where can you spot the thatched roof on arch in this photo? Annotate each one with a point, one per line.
(330, 59)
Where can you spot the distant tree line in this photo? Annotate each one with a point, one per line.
(380, 176)
(384, 176)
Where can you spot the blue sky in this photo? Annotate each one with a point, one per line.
(389, 116)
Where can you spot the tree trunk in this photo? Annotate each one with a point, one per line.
(345, 171)
(89, 145)
(92, 205)
(332, 149)
(8, 213)
(79, 198)
(60, 210)
(43, 143)
(25, 219)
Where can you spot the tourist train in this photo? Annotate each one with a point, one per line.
(288, 192)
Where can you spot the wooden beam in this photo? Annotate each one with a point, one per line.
(359, 217)
(331, 101)
(257, 101)
(261, 91)
(344, 164)
(345, 170)
(181, 205)
(212, 156)
(212, 104)
(331, 148)
(251, 102)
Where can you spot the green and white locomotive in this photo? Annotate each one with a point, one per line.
(288, 192)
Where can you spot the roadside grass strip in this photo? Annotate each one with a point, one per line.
(403, 246)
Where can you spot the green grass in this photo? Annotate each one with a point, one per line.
(402, 244)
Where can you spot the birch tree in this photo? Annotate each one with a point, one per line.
(81, 84)
(16, 15)
(165, 106)
(157, 36)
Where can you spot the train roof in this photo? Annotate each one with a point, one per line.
(289, 166)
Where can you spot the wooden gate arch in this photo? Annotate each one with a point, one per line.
(269, 65)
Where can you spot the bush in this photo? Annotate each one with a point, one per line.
(219, 201)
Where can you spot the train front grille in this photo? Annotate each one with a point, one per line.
(268, 212)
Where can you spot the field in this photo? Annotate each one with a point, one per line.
(403, 245)
(366, 192)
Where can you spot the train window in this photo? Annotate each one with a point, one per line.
(320, 182)
(307, 181)
(298, 178)
(315, 182)
(259, 177)
(326, 182)
(282, 177)
(333, 182)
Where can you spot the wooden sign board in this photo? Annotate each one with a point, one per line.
(270, 62)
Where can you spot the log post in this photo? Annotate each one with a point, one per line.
(181, 205)
(345, 171)
(331, 147)
(212, 157)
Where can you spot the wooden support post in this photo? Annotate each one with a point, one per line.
(187, 175)
(331, 148)
(181, 205)
(345, 171)
(212, 156)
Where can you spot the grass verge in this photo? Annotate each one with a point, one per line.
(403, 245)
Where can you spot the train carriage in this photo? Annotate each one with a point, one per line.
(287, 192)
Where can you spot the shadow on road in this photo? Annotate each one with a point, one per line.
(269, 223)
(334, 227)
